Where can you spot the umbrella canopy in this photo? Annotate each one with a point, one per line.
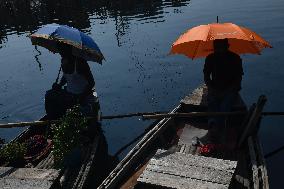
(198, 41)
(83, 46)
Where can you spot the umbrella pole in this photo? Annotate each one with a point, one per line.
(56, 81)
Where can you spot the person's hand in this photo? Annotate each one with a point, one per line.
(56, 86)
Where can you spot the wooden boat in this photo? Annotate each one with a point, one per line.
(39, 171)
(169, 157)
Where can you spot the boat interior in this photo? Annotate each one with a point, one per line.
(172, 156)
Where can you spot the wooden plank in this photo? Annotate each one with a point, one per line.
(130, 183)
(262, 166)
(189, 171)
(177, 182)
(33, 173)
(199, 98)
(133, 156)
(29, 178)
(15, 183)
(253, 162)
(88, 163)
(47, 162)
(194, 169)
(198, 161)
(254, 120)
(4, 171)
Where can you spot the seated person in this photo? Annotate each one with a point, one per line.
(223, 75)
(79, 82)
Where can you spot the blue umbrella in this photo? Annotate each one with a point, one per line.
(83, 46)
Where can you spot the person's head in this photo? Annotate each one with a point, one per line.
(221, 45)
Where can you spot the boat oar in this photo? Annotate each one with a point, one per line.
(145, 115)
(272, 113)
(47, 122)
(274, 152)
(193, 114)
(25, 124)
(130, 115)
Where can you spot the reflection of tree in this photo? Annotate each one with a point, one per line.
(37, 59)
(27, 15)
(121, 24)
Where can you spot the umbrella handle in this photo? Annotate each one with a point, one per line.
(56, 81)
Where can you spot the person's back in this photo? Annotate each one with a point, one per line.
(225, 69)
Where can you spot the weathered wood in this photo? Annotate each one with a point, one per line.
(46, 162)
(253, 120)
(177, 158)
(88, 163)
(196, 168)
(125, 165)
(253, 162)
(199, 98)
(130, 183)
(176, 182)
(193, 114)
(172, 171)
(15, 183)
(262, 166)
(28, 178)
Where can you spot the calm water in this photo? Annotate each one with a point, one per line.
(138, 75)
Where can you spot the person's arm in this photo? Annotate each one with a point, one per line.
(207, 72)
(59, 85)
(62, 81)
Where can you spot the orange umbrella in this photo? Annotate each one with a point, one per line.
(198, 41)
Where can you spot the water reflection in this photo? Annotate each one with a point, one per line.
(25, 16)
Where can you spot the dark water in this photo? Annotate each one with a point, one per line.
(138, 76)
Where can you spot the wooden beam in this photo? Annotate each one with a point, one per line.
(253, 121)
(253, 163)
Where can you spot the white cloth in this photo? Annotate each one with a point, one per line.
(76, 83)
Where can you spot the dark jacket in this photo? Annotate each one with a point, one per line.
(223, 71)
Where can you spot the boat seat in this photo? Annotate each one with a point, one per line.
(28, 178)
(198, 99)
(47, 163)
(178, 171)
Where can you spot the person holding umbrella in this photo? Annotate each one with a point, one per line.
(222, 75)
(75, 48)
(78, 79)
(221, 44)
